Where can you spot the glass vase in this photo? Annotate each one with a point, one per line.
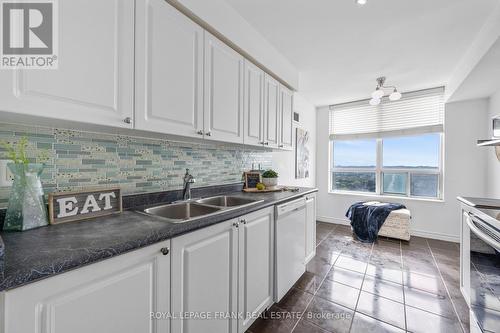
(27, 208)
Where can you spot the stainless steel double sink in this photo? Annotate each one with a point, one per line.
(182, 212)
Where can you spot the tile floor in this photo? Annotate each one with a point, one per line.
(388, 286)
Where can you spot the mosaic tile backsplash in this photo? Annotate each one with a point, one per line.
(76, 160)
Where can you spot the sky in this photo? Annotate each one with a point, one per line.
(410, 151)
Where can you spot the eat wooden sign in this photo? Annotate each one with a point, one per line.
(74, 206)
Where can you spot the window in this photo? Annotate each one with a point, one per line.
(392, 149)
(403, 166)
(411, 165)
(354, 164)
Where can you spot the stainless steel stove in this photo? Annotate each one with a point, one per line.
(484, 225)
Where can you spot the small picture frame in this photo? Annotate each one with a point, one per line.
(252, 179)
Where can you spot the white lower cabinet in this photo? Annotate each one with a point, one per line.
(465, 257)
(117, 295)
(256, 266)
(310, 227)
(216, 279)
(204, 279)
(221, 271)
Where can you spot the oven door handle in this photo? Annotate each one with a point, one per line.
(474, 219)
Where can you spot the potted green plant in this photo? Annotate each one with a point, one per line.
(270, 178)
(26, 208)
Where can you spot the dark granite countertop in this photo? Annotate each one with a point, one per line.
(480, 202)
(40, 253)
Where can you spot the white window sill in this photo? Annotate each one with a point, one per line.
(384, 197)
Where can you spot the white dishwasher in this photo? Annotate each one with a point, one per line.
(290, 245)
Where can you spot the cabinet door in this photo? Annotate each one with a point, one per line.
(286, 116)
(169, 70)
(465, 257)
(271, 107)
(223, 117)
(204, 278)
(95, 79)
(254, 105)
(116, 295)
(256, 265)
(310, 227)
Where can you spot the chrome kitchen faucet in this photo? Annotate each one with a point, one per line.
(188, 180)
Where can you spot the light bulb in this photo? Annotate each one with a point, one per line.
(374, 101)
(396, 95)
(361, 2)
(378, 93)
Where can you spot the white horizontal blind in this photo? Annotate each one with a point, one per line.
(415, 112)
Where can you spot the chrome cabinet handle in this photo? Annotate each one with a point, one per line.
(208, 133)
(243, 221)
(236, 224)
(165, 250)
(127, 120)
(281, 146)
(266, 143)
(200, 132)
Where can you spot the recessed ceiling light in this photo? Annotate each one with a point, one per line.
(360, 2)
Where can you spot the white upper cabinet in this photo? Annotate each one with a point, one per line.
(95, 79)
(223, 91)
(254, 105)
(271, 112)
(286, 117)
(204, 278)
(169, 70)
(142, 64)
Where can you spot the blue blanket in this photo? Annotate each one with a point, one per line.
(366, 220)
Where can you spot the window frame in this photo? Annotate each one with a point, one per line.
(379, 171)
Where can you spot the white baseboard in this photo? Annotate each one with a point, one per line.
(435, 235)
(418, 233)
(334, 220)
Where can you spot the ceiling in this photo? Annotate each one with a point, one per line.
(484, 80)
(340, 48)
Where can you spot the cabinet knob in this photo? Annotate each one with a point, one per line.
(127, 120)
(266, 143)
(281, 146)
(165, 250)
(200, 132)
(208, 133)
(236, 224)
(244, 221)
